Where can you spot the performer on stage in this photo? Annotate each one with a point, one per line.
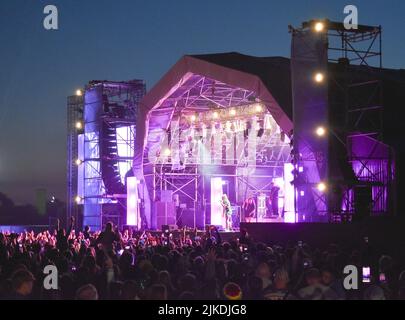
(249, 209)
(227, 212)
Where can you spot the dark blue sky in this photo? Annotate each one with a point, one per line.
(120, 40)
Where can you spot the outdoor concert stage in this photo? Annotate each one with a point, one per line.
(269, 133)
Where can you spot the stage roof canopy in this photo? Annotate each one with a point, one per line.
(198, 83)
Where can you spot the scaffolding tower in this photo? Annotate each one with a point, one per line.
(358, 90)
(74, 129)
(101, 133)
(357, 111)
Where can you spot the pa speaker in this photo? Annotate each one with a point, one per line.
(362, 202)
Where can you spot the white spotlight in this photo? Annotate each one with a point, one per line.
(78, 199)
(319, 77)
(193, 118)
(321, 187)
(79, 92)
(232, 112)
(319, 26)
(259, 108)
(215, 115)
(320, 131)
(78, 162)
(79, 125)
(167, 152)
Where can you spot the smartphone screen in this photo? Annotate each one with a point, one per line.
(382, 277)
(366, 275)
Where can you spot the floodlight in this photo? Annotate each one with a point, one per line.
(321, 187)
(320, 131)
(319, 77)
(319, 26)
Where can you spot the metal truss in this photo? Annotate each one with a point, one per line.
(185, 183)
(189, 183)
(201, 94)
(356, 45)
(74, 115)
(357, 57)
(360, 58)
(118, 110)
(176, 181)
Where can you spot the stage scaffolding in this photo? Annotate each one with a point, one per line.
(356, 109)
(105, 150)
(74, 116)
(358, 90)
(244, 176)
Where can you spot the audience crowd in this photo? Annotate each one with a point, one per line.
(185, 266)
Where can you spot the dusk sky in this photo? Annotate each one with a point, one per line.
(122, 40)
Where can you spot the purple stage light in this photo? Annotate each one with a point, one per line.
(289, 194)
(132, 202)
(216, 197)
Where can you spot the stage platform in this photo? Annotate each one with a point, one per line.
(381, 233)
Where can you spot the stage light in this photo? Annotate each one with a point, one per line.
(193, 118)
(132, 200)
(79, 92)
(79, 125)
(215, 115)
(167, 152)
(228, 126)
(319, 77)
(259, 108)
(302, 193)
(320, 131)
(268, 126)
(232, 112)
(78, 199)
(78, 162)
(213, 129)
(301, 169)
(321, 187)
(319, 26)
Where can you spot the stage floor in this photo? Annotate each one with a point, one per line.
(267, 220)
(380, 232)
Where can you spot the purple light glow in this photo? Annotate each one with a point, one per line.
(125, 149)
(132, 202)
(216, 196)
(289, 194)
